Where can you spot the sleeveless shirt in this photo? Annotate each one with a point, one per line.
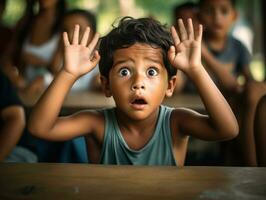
(157, 151)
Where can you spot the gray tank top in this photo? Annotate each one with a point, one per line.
(158, 150)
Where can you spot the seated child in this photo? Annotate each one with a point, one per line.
(226, 59)
(138, 61)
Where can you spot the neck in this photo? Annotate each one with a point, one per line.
(137, 126)
(48, 12)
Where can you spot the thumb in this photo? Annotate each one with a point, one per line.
(171, 54)
(96, 58)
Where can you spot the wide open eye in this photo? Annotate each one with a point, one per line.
(124, 71)
(152, 71)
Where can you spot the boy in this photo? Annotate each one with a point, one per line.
(226, 59)
(138, 66)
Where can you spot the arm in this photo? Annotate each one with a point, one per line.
(79, 59)
(13, 125)
(224, 76)
(186, 55)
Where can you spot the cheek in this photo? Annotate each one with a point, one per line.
(157, 84)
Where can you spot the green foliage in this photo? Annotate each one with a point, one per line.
(13, 12)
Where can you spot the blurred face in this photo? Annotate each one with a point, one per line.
(217, 17)
(47, 3)
(71, 20)
(138, 81)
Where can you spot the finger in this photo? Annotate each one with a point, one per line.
(199, 35)
(175, 36)
(65, 38)
(93, 43)
(76, 35)
(85, 37)
(171, 54)
(190, 29)
(182, 30)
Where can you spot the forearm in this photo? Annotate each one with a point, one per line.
(47, 109)
(225, 78)
(10, 134)
(220, 114)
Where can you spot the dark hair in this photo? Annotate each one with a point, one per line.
(183, 6)
(88, 15)
(233, 2)
(130, 31)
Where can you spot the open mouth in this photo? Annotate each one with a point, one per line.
(139, 102)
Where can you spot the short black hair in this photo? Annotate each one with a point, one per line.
(233, 2)
(130, 31)
(85, 13)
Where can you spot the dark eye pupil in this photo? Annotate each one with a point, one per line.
(151, 72)
(124, 72)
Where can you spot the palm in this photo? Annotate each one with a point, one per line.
(80, 58)
(186, 54)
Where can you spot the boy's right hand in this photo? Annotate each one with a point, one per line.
(80, 58)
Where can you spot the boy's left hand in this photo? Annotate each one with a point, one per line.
(186, 52)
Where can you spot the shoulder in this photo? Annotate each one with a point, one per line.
(89, 116)
(237, 44)
(182, 115)
(187, 120)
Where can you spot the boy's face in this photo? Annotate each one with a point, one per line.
(217, 17)
(138, 80)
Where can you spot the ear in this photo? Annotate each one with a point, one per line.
(105, 86)
(171, 86)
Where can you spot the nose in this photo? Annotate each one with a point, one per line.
(217, 17)
(138, 83)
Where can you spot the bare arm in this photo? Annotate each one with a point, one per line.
(79, 59)
(186, 55)
(13, 125)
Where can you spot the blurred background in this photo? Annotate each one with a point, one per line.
(249, 24)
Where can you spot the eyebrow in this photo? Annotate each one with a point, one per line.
(158, 61)
(123, 61)
(154, 60)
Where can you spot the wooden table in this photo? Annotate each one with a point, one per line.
(81, 100)
(84, 181)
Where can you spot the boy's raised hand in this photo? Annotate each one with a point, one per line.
(186, 52)
(80, 57)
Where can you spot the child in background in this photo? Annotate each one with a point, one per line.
(185, 11)
(85, 19)
(33, 47)
(226, 59)
(138, 64)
